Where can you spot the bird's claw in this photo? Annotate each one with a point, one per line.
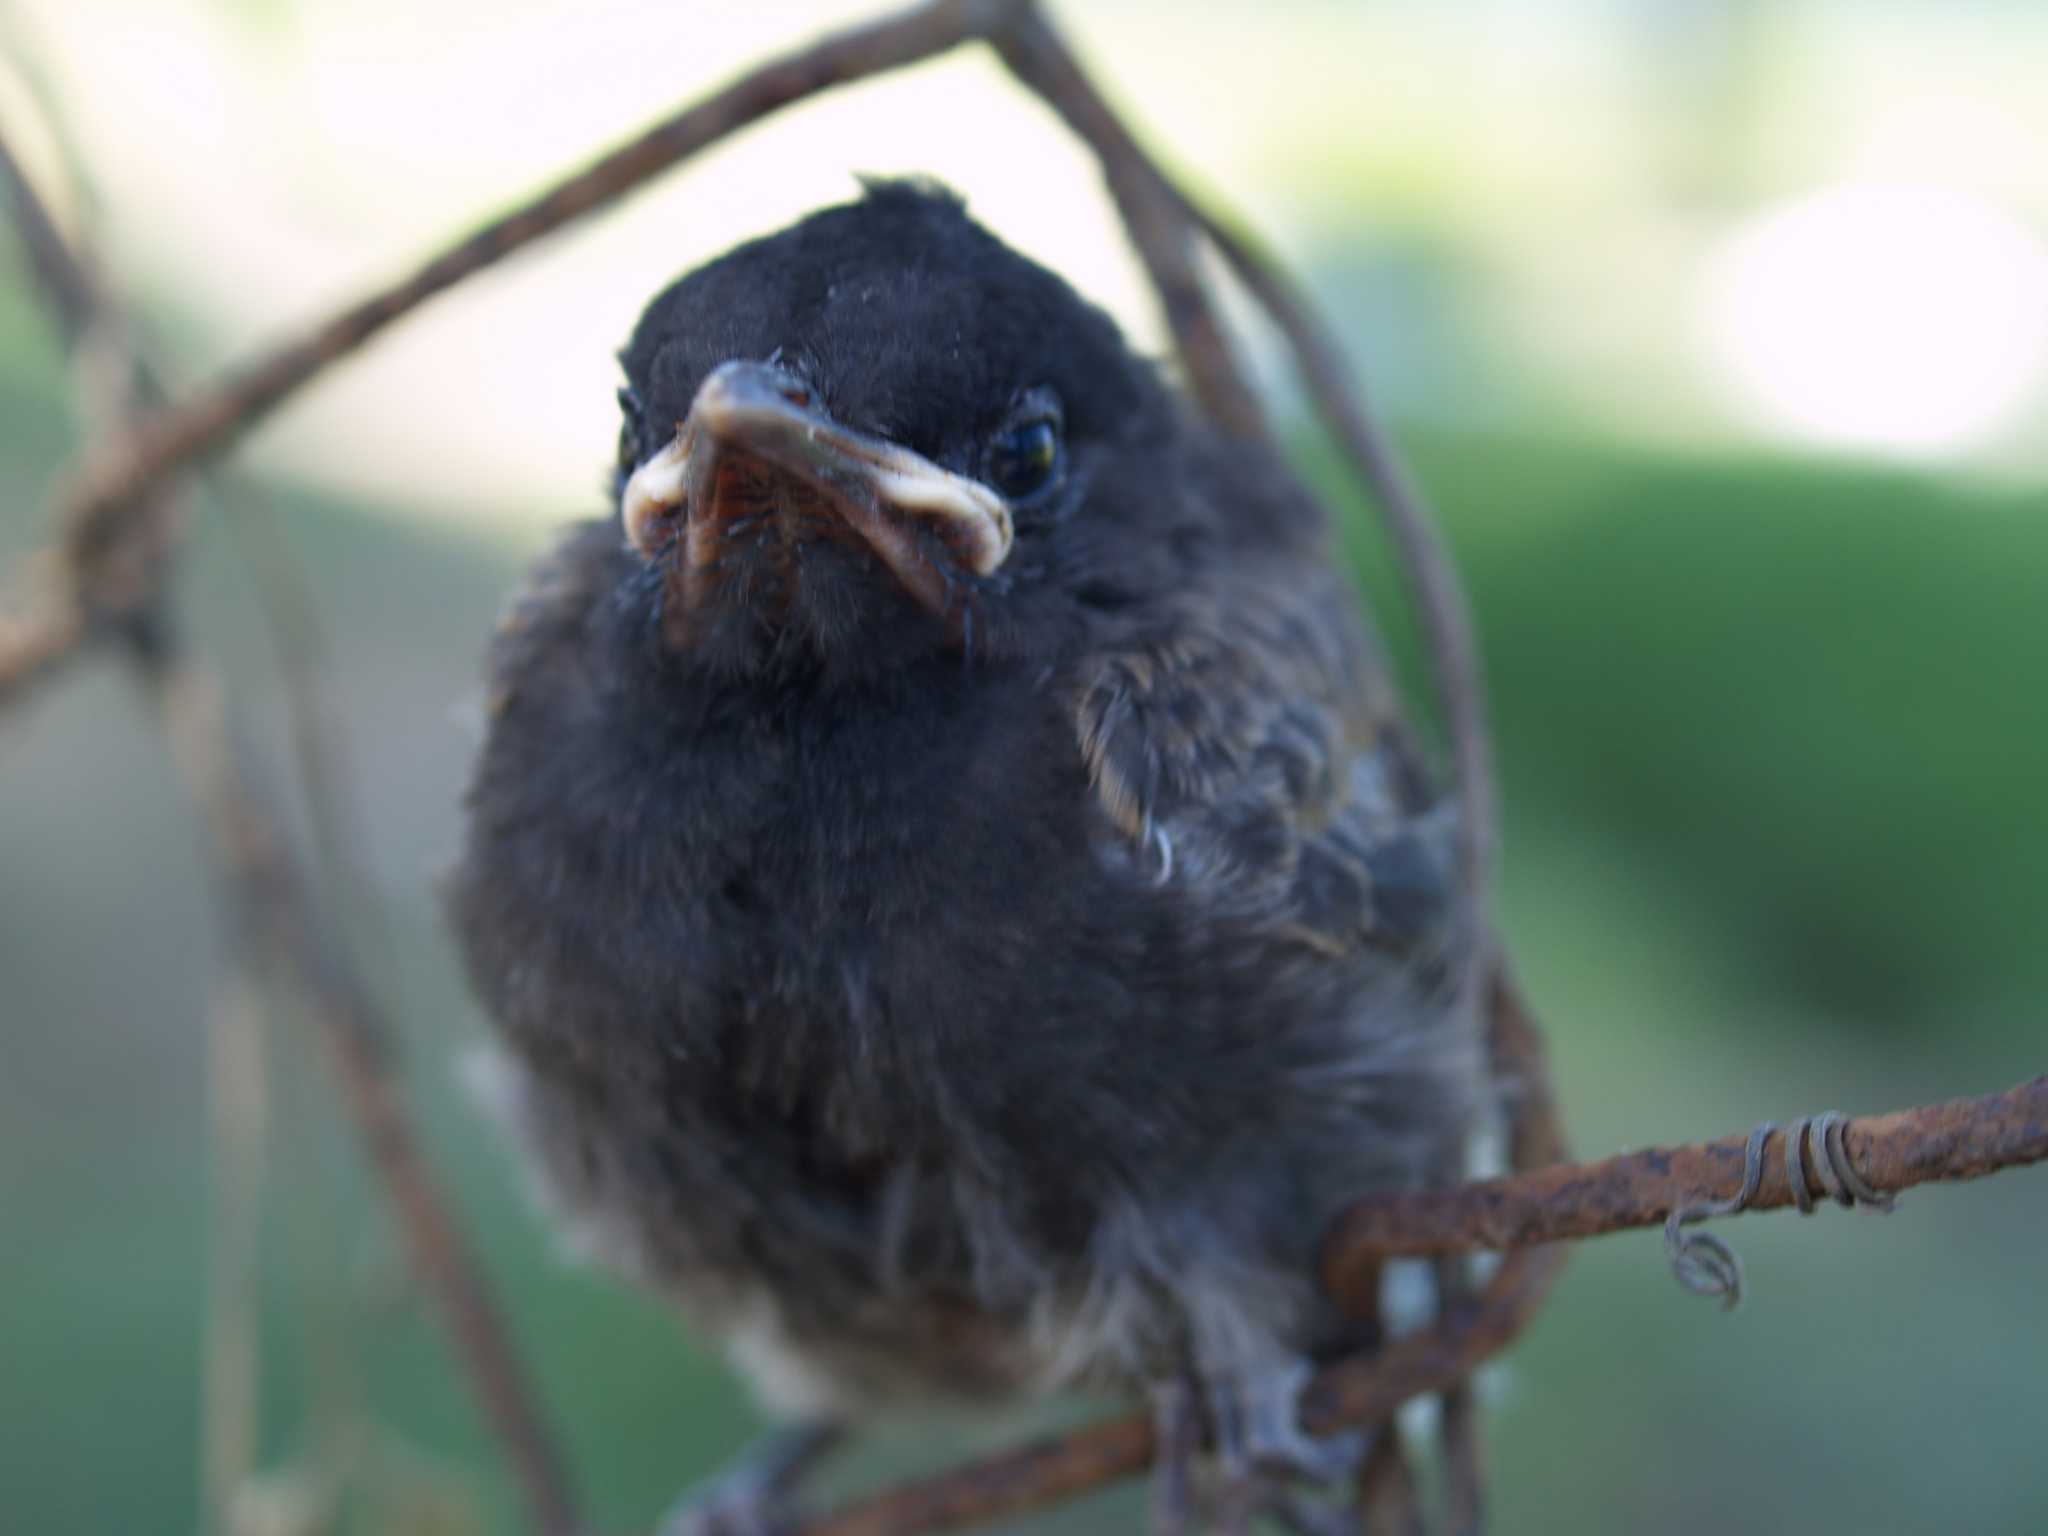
(724, 1509)
(1265, 1416)
(717, 1512)
(1260, 1453)
(754, 1497)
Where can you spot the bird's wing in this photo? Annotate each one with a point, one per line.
(1248, 737)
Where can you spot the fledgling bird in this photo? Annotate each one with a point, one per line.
(958, 903)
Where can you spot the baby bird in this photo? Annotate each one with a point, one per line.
(958, 905)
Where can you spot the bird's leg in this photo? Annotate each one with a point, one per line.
(1177, 1440)
(752, 1497)
(1241, 1487)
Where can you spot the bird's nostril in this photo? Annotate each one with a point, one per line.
(786, 380)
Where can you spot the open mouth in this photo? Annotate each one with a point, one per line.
(754, 443)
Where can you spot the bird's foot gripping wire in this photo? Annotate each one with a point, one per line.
(1262, 1463)
(753, 1497)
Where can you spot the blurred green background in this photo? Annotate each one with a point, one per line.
(1717, 332)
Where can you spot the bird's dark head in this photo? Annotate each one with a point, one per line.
(877, 435)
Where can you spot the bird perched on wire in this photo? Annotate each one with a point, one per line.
(959, 906)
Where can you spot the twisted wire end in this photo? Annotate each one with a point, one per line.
(1707, 1266)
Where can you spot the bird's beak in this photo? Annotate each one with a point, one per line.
(754, 422)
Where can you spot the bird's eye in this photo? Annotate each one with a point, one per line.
(1025, 458)
(631, 421)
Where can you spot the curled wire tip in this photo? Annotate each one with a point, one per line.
(1707, 1266)
(1700, 1261)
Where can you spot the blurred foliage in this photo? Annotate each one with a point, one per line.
(1788, 682)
